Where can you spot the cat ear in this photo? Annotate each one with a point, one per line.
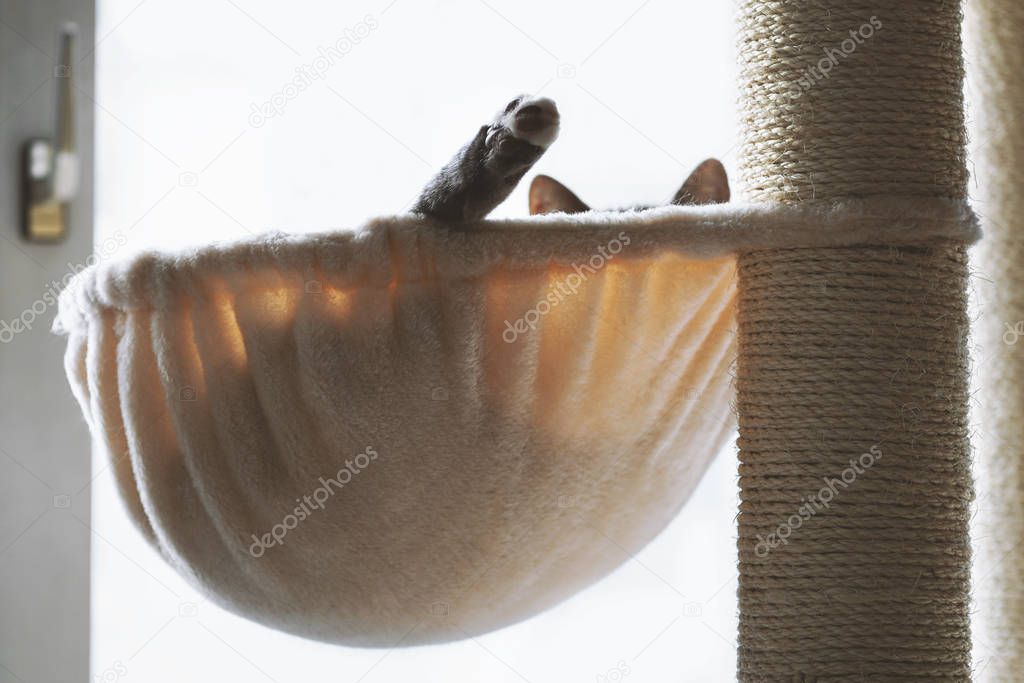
(707, 184)
(547, 195)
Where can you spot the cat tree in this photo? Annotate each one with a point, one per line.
(477, 407)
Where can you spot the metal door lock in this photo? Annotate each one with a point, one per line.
(50, 170)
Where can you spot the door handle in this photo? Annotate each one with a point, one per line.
(50, 167)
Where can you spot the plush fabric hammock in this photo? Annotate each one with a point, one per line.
(412, 433)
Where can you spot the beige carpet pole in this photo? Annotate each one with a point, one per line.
(852, 383)
(996, 47)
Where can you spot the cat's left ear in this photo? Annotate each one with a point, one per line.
(708, 184)
(547, 195)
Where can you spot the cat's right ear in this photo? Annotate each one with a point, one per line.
(547, 195)
(708, 184)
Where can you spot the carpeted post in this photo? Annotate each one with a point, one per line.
(997, 80)
(852, 370)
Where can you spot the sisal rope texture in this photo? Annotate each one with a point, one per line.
(852, 366)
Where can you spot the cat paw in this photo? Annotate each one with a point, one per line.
(531, 119)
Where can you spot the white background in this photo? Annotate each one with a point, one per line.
(647, 90)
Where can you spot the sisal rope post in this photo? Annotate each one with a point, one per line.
(852, 368)
(995, 30)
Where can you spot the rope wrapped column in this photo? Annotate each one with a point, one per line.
(997, 50)
(852, 367)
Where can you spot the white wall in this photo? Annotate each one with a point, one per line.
(647, 90)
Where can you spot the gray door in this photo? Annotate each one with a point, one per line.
(44, 443)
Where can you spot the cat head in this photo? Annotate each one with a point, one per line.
(707, 184)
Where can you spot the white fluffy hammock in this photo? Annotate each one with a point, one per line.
(414, 433)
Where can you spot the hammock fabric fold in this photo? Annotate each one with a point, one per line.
(413, 433)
